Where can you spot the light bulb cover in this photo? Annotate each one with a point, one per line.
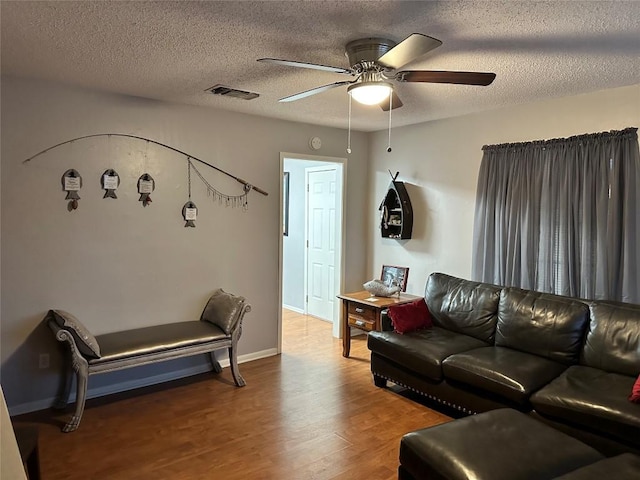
(370, 93)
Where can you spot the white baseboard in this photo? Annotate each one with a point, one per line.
(294, 309)
(139, 383)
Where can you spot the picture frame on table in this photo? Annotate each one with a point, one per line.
(393, 275)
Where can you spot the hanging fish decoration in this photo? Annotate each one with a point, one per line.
(189, 213)
(72, 183)
(110, 180)
(146, 185)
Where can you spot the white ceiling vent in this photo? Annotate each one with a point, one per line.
(232, 92)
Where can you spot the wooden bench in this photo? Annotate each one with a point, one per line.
(220, 326)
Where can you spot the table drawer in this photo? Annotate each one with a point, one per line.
(362, 323)
(362, 316)
(362, 311)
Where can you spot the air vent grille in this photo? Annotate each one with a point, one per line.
(232, 92)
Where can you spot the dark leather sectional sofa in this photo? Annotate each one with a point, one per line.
(568, 362)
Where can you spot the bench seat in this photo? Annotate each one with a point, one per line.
(142, 341)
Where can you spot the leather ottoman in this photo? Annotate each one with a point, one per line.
(501, 444)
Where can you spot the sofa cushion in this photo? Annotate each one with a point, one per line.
(463, 306)
(86, 342)
(543, 324)
(592, 399)
(613, 338)
(409, 317)
(501, 371)
(621, 467)
(422, 351)
(501, 444)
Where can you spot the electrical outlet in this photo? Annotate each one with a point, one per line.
(43, 361)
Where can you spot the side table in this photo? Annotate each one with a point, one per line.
(363, 311)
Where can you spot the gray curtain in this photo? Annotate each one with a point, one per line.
(561, 216)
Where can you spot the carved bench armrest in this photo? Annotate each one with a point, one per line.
(65, 335)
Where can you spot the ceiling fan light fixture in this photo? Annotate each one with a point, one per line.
(370, 93)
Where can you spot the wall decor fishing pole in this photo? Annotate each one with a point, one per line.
(110, 180)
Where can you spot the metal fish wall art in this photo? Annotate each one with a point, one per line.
(146, 185)
(110, 181)
(72, 183)
(189, 213)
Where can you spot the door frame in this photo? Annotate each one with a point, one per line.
(342, 166)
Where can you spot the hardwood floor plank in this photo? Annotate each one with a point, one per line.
(308, 414)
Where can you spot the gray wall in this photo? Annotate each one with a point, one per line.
(116, 265)
(440, 161)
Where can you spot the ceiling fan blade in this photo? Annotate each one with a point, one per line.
(412, 47)
(314, 91)
(434, 76)
(313, 66)
(395, 102)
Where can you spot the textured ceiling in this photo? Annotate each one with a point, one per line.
(173, 51)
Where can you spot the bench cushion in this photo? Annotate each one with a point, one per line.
(508, 373)
(140, 341)
(86, 342)
(593, 399)
(422, 351)
(223, 309)
(501, 444)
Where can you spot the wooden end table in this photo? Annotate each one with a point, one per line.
(363, 311)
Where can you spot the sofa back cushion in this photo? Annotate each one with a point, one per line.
(463, 306)
(547, 325)
(613, 338)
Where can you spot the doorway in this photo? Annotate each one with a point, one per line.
(311, 264)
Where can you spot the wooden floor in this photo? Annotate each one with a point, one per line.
(306, 414)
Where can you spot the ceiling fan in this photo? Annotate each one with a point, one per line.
(375, 64)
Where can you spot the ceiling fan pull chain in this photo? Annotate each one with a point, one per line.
(349, 131)
(390, 110)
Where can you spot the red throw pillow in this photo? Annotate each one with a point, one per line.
(409, 317)
(635, 391)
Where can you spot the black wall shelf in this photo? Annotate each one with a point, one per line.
(396, 213)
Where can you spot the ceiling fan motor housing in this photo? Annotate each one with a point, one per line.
(367, 50)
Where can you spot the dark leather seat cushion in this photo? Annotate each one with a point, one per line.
(422, 351)
(622, 467)
(593, 399)
(502, 371)
(140, 341)
(498, 445)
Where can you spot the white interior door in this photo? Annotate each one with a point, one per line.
(322, 190)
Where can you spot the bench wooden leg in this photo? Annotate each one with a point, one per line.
(214, 363)
(82, 374)
(62, 400)
(233, 361)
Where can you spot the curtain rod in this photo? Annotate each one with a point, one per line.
(237, 179)
(585, 136)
